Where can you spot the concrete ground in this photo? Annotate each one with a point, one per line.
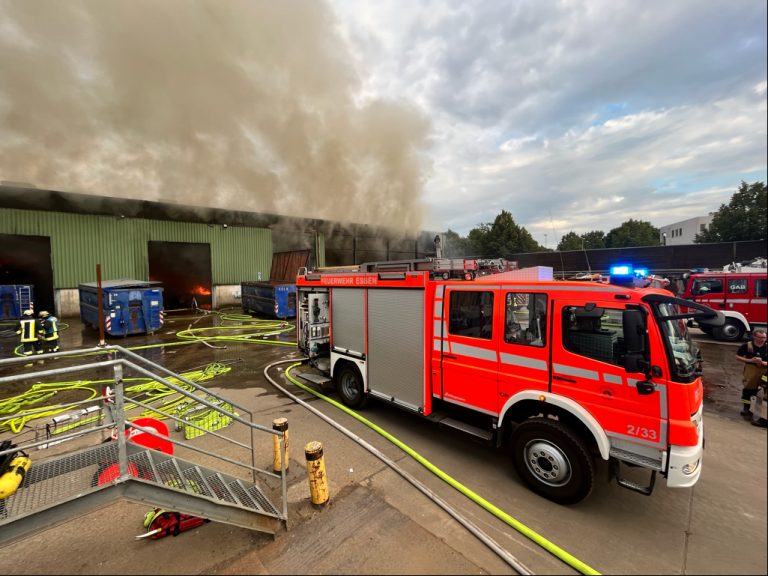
(377, 523)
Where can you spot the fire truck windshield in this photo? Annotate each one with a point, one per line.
(686, 363)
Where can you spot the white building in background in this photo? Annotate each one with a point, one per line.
(684, 232)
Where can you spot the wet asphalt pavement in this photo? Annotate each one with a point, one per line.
(378, 524)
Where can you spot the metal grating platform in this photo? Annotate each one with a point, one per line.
(62, 485)
(58, 480)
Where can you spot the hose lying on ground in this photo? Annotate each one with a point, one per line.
(506, 518)
(484, 538)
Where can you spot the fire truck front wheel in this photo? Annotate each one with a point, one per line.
(349, 385)
(552, 460)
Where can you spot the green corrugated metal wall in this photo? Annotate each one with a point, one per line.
(80, 241)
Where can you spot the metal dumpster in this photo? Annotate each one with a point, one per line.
(14, 299)
(129, 306)
(277, 297)
(278, 300)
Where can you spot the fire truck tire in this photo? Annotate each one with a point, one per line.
(552, 460)
(731, 331)
(349, 385)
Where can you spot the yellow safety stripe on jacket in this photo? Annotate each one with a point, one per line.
(28, 330)
(54, 334)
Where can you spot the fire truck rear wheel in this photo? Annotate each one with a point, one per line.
(731, 331)
(349, 385)
(552, 460)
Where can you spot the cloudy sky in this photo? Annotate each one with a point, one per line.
(571, 115)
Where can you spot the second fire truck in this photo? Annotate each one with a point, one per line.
(558, 373)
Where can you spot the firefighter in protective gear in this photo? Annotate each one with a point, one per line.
(25, 328)
(49, 332)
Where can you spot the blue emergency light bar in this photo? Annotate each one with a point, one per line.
(621, 270)
(641, 271)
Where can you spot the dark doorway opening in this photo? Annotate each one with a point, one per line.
(185, 270)
(27, 260)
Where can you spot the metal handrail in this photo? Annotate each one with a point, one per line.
(113, 411)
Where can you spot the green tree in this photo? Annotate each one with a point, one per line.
(502, 238)
(594, 239)
(570, 241)
(633, 233)
(587, 241)
(478, 239)
(455, 245)
(743, 218)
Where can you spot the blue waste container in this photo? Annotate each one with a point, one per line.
(129, 306)
(277, 300)
(276, 297)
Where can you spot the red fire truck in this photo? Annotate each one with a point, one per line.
(557, 372)
(741, 295)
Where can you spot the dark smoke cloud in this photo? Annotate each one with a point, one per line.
(246, 105)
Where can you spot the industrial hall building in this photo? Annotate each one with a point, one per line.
(54, 241)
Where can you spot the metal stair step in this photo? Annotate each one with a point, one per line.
(263, 501)
(170, 475)
(241, 493)
(197, 482)
(220, 488)
(634, 458)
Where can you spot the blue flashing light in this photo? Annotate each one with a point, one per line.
(641, 271)
(621, 270)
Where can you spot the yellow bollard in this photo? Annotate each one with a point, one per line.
(280, 424)
(318, 481)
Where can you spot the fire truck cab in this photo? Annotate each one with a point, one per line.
(556, 372)
(741, 296)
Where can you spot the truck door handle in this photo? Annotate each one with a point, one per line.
(450, 356)
(563, 379)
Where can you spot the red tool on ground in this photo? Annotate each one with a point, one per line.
(161, 523)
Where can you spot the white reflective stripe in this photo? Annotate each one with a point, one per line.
(541, 288)
(437, 328)
(523, 361)
(613, 378)
(438, 310)
(662, 392)
(573, 371)
(474, 352)
(738, 300)
(759, 301)
(438, 344)
(477, 287)
(439, 291)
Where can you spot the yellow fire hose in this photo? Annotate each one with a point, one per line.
(500, 514)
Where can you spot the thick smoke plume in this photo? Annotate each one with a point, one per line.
(245, 105)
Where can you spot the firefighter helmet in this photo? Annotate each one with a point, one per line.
(43, 314)
(27, 312)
